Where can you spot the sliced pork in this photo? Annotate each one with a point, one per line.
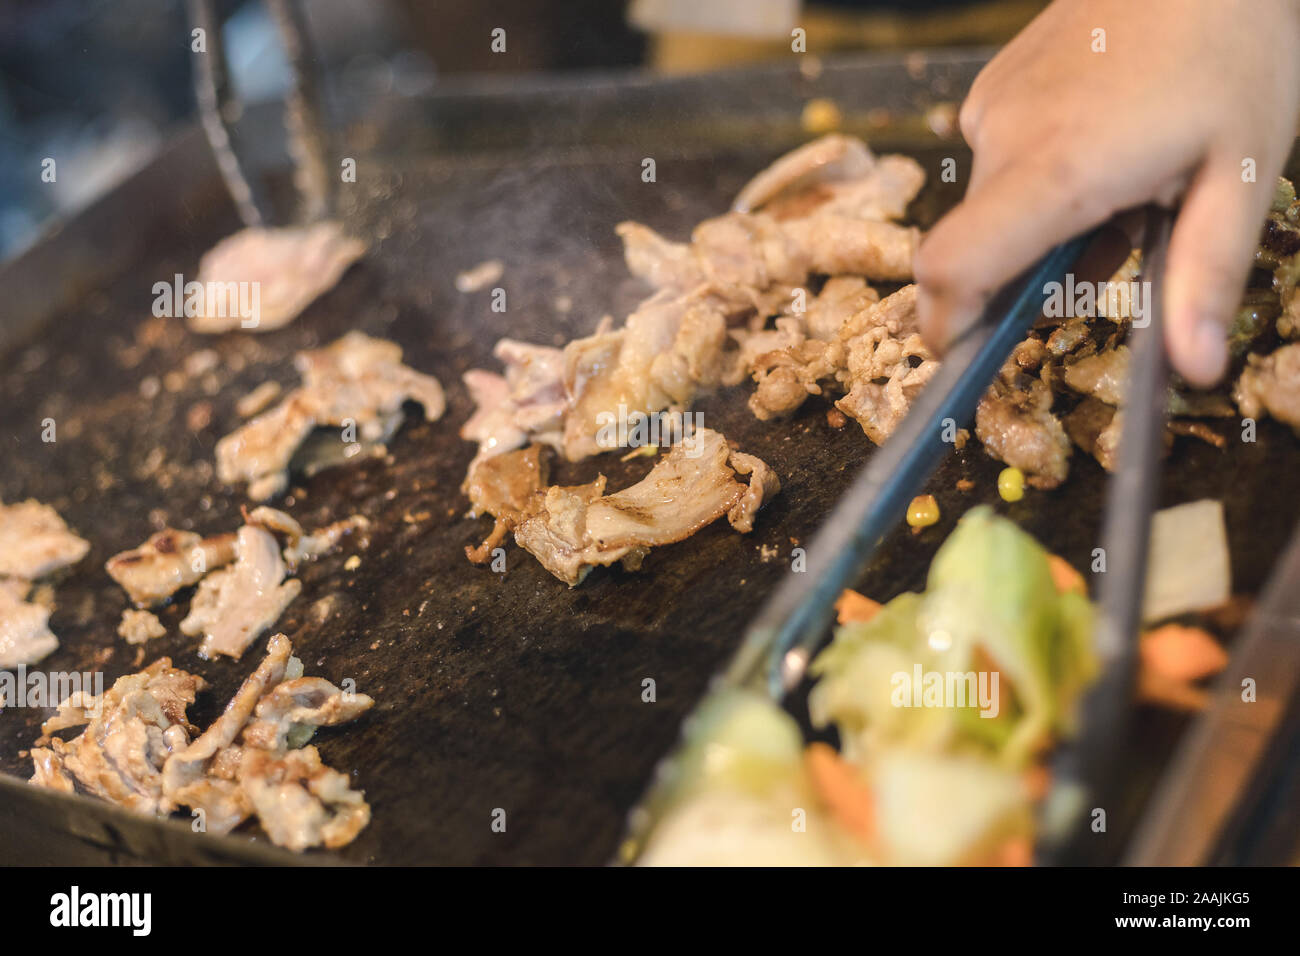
(34, 542)
(290, 267)
(357, 383)
(168, 561)
(1270, 384)
(693, 485)
(235, 605)
(138, 750)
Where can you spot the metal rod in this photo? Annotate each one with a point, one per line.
(218, 110)
(1083, 767)
(308, 141)
(779, 642)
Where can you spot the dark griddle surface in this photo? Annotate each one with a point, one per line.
(493, 691)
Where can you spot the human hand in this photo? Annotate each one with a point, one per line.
(1186, 99)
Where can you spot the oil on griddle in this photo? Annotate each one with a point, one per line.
(493, 690)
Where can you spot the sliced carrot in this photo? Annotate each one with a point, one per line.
(842, 789)
(1181, 653)
(1018, 851)
(1065, 577)
(854, 607)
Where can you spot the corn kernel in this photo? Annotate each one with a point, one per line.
(923, 511)
(1011, 484)
(820, 116)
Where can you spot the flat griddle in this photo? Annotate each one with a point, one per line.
(510, 690)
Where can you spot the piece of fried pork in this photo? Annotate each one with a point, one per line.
(139, 750)
(168, 561)
(525, 404)
(34, 542)
(356, 383)
(1014, 421)
(289, 268)
(827, 208)
(571, 530)
(243, 578)
(1271, 384)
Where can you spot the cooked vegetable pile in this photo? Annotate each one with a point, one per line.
(944, 703)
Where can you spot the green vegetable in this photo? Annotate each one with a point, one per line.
(990, 608)
(740, 739)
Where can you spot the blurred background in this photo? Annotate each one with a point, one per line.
(101, 84)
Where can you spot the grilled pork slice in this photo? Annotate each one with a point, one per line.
(290, 268)
(130, 731)
(235, 605)
(838, 174)
(168, 561)
(34, 542)
(138, 750)
(572, 530)
(25, 635)
(1014, 421)
(241, 576)
(671, 346)
(357, 382)
(526, 403)
(1271, 384)
(505, 486)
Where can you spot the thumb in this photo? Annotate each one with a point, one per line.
(1210, 255)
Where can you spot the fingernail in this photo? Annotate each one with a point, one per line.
(929, 319)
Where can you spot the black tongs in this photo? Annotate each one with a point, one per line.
(219, 110)
(782, 639)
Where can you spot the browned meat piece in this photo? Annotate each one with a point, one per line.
(168, 561)
(1095, 427)
(1279, 250)
(1198, 430)
(25, 635)
(357, 381)
(289, 268)
(1068, 337)
(690, 487)
(505, 486)
(1030, 354)
(186, 780)
(137, 751)
(877, 355)
(830, 158)
(527, 403)
(139, 627)
(1271, 384)
(1104, 376)
(842, 245)
(299, 546)
(671, 346)
(887, 363)
(50, 772)
(129, 734)
(1015, 423)
(834, 173)
(300, 802)
(738, 256)
(234, 605)
(763, 485)
(34, 541)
